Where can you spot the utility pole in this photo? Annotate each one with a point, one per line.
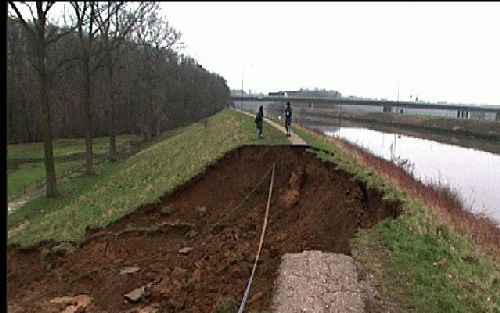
(241, 103)
(398, 91)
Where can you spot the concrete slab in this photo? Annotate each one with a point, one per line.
(315, 281)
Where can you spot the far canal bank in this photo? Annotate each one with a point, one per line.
(472, 174)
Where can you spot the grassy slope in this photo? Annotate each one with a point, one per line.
(31, 174)
(123, 186)
(421, 264)
(62, 147)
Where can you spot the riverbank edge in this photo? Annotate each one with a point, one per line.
(441, 125)
(491, 146)
(425, 260)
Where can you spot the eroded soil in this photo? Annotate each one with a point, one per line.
(313, 207)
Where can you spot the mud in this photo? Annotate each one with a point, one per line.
(313, 207)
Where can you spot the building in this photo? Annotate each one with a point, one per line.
(278, 94)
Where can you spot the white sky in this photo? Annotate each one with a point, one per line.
(442, 51)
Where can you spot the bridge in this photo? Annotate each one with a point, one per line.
(385, 105)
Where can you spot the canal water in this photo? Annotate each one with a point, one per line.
(473, 174)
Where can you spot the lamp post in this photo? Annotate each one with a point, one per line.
(241, 103)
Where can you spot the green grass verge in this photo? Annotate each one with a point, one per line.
(422, 264)
(63, 147)
(32, 174)
(123, 186)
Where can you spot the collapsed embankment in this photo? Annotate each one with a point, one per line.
(218, 217)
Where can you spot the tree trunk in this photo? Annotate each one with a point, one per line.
(89, 157)
(26, 122)
(112, 133)
(152, 115)
(112, 128)
(48, 151)
(158, 120)
(145, 125)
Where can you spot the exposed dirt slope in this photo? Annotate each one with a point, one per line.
(313, 207)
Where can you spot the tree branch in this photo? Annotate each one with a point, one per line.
(21, 19)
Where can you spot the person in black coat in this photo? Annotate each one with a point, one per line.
(259, 121)
(288, 118)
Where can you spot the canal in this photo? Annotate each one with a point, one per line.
(473, 174)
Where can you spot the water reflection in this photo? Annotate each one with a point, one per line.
(474, 174)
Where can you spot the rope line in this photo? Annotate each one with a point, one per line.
(193, 242)
(226, 217)
(264, 226)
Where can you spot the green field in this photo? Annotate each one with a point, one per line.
(123, 186)
(63, 147)
(29, 171)
(33, 174)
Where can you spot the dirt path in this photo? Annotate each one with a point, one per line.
(315, 281)
(294, 139)
(23, 199)
(36, 192)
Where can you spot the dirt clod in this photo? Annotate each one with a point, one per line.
(129, 270)
(168, 211)
(185, 250)
(225, 305)
(65, 301)
(136, 294)
(63, 249)
(67, 304)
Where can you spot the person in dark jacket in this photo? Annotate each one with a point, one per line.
(259, 120)
(288, 118)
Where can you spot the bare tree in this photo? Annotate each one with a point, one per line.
(85, 16)
(154, 86)
(155, 36)
(20, 73)
(41, 36)
(115, 23)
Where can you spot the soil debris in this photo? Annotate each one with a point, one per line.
(129, 270)
(137, 294)
(185, 250)
(315, 207)
(67, 304)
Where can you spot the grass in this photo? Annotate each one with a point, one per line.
(121, 187)
(439, 198)
(33, 174)
(63, 147)
(30, 171)
(420, 260)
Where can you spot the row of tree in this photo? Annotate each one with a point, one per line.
(108, 68)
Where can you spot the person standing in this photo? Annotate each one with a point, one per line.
(259, 121)
(288, 118)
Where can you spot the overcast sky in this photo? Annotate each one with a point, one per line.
(440, 51)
